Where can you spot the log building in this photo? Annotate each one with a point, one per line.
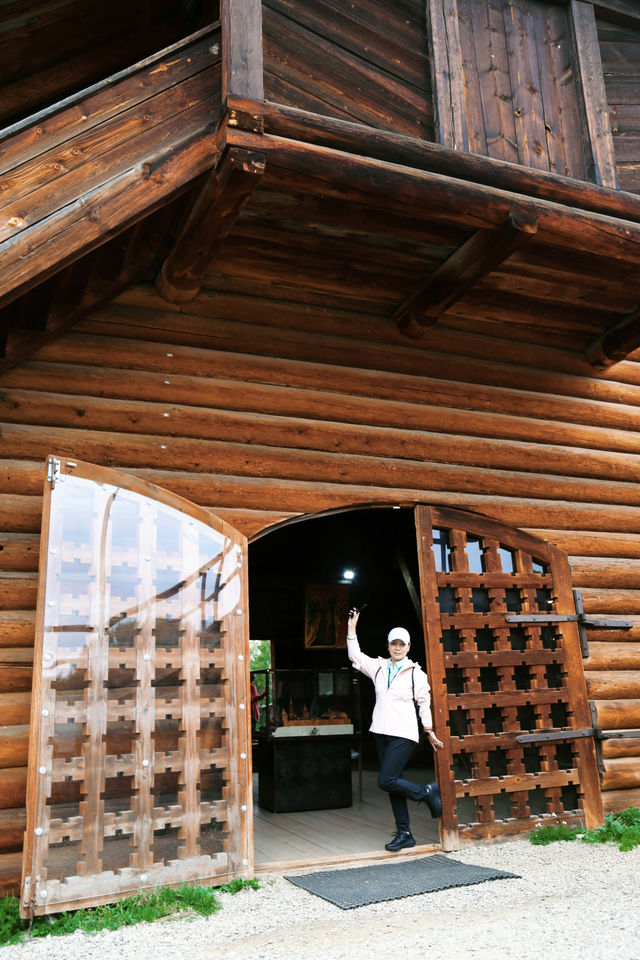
(290, 259)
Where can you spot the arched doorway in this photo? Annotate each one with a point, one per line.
(494, 606)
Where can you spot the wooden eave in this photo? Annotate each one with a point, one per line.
(469, 236)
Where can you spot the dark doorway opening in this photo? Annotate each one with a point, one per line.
(378, 546)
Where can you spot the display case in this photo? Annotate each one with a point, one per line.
(305, 739)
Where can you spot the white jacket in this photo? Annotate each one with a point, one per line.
(394, 713)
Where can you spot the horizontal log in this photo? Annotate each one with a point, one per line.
(28, 196)
(10, 874)
(26, 476)
(264, 431)
(622, 773)
(399, 370)
(618, 714)
(605, 572)
(622, 747)
(582, 543)
(108, 98)
(613, 800)
(15, 708)
(613, 684)
(14, 745)
(12, 826)
(613, 635)
(18, 591)
(607, 602)
(296, 124)
(305, 463)
(438, 198)
(19, 551)
(20, 514)
(70, 380)
(305, 497)
(17, 628)
(13, 787)
(123, 199)
(613, 656)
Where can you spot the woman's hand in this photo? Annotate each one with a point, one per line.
(352, 622)
(433, 740)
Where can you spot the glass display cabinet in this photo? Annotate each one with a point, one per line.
(305, 739)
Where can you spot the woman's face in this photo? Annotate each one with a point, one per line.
(398, 650)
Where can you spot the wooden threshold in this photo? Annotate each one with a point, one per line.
(362, 859)
(341, 837)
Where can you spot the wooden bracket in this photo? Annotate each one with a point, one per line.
(211, 219)
(482, 253)
(616, 343)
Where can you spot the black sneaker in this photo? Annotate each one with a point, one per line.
(432, 799)
(402, 839)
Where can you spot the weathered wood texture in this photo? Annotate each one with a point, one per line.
(272, 403)
(521, 94)
(587, 68)
(50, 50)
(366, 61)
(620, 53)
(106, 161)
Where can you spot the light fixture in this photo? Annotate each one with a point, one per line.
(348, 575)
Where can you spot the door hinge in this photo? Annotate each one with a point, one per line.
(53, 471)
(556, 735)
(579, 617)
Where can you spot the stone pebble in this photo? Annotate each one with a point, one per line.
(573, 901)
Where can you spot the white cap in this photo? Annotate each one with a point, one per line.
(399, 633)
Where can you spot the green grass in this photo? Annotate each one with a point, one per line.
(140, 908)
(622, 828)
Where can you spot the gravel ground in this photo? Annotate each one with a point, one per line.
(574, 901)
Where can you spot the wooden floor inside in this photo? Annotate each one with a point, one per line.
(351, 833)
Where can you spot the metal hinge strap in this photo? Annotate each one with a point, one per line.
(556, 735)
(568, 618)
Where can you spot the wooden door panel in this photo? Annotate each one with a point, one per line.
(498, 678)
(139, 770)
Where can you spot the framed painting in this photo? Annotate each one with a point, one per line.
(326, 612)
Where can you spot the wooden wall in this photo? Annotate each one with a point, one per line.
(366, 61)
(520, 91)
(49, 50)
(620, 52)
(261, 416)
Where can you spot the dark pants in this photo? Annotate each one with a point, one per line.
(393, 753)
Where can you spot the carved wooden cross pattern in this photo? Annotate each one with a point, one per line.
(139, 765)
(500, 687)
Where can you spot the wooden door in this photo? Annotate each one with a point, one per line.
(508, 687)
(139, 763)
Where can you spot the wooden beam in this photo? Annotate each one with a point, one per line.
(211, 219)
(85, 284)
(295, 124)
(447, 74)
(624, 12)
(616, 343)
(476, 258)
(592, 95)
(242, 63)
(437, 199)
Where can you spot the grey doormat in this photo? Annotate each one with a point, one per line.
(359, 886)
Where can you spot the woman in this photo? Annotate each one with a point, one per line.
(398, 682)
